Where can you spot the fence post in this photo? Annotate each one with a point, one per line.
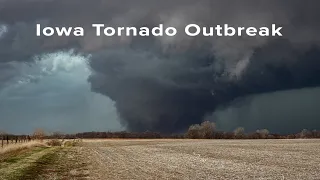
(2, 138)
(7, 140)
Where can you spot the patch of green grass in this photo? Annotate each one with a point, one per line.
(44, 163)
(37, 167)
(17, 157)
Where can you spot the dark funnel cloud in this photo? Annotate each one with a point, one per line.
(167, 83)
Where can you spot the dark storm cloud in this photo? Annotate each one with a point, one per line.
(280, 112)
(168, 83)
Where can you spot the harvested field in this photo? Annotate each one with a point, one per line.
(203, 159)
(167, 159)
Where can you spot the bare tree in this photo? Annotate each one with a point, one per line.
(305, 133)
(2, 134)
(39, 134)
(194, 131)
(207, 129)
(239, 132)
(263, 133)
(57, 135)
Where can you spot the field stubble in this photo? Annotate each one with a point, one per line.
(202, 159)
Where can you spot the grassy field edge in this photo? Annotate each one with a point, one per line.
(39, 166)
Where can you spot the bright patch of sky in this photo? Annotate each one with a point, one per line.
(53, 94)
(3, 30)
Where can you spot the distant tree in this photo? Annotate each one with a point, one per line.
(254, 135)
(207, 129)
(278, 136)
(228, 135)
(263, 133)
(194, 131)
(39, 134)
(291, 136)
(57, 135)
(271, 136)
(315, 134)
(239, 132)
(3, 133)
(218, 135)
(305, 133)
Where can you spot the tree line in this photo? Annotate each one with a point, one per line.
(205, 130)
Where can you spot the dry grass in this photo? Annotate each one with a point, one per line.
(20, 146)
(202, 159)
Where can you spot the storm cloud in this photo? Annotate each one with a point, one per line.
(167, 83)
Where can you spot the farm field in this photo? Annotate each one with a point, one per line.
(170, 159)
